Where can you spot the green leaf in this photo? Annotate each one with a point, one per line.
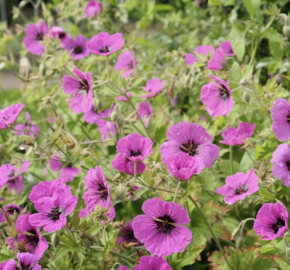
(237, 37)
(252, 6)
(246, 162)
(215, 2)
(160, 134)
(273, 35)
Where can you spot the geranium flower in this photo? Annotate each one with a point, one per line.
(34, 37)
(31, 235)
(217, 97)
(25, 261)
(53, 211)
(93, 116)
(123, 98)
(215, 63)
(152, 263)
(281, 119)
(193, 140)
(239, 186)
(204, 49)
(93, 8)
(181, 166)
(76, 47)
(126, 62)
(237, 136)
(59, 33)
(67, 172)
(127, 234)
(123, 164)
(226, 48)
(145, 111)
(81, 89)
(160, 229)
(30, 129)
(153, 86)
(271, 221)
(9, 115)
(11, 176)
(104, 44)
(9, 210)
(190, 59)
(123, 267)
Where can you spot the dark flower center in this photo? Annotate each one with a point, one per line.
(165, 224)
(135, 153)
(103, 192)
(130, 234)
(39, 36)
(11, 174)
(106, 49)
(288, 165)
(231, 51)
(278, 224)
(84, 87)
(78, 49)
(190, 148)
(25, 266)
(224, 93)
(241, 189)
(55, 213)
(5, 119)
(32, 238)
(11, 210)
(61, 35)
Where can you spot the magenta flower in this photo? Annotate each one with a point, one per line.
(106, 128)
(145, 111)
(239, 186)
(9, 210)
(152, 263)
(92, 116)
(190, 59)
(226, 48)
(123, 98)
(46, 189)
(93, 8)
(53, 211)
(110, 214)
(31, 235)
(281, 162)
(67, 171)
(81, 89)
(237, 136)
(271, 221)
(104, 44)
(172, 100)
(135, 147)
(98, 190)
(281, 123)
(34, 37)
(59, 33)
(9, 115)
(182, 167)
(204, 49)
(215, 63)
(193, 140)
(29, 128)
(76, 47)
(160, 228)
(126, 62)
(123, 267)
(127, 234)
(279, 79)
(2, 265)
(217, 97)
(153, 86)
(11, 176)
(26, 261)
(123, 164)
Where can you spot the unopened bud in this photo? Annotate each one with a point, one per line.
(247, 96)
(235, 232)
(97, 104)
(120, 122)
(55, 239)
(114, 116)
(12, 231)
(86, 243)
(286, 31)
(117, 225)
(240, 243)
(121, 192)
(41, 70)
(249, 143)
(22, 4)
(118, 109)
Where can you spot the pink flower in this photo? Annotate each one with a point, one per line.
(10, 209)
(153, 86)
(204, 49)
(76, 47)
(239, 186)
(145, 111)
(126, 62)
(59, 33)
(172, 100)
(279, 78)
(217, 97)
(190, 59)
(106, 128)
(123, 98)
(34, 37)
(127, 234)
(226, 48)
(215, 63)
(27, 260)
(104, 44)
(152, 263)
(93, 8)
(123, 267)
(81, 89)
(182, 167)
(193, 140)
(9, 115)
(281, 123)
(125, 165)
(237, 136)
(67, 171)
(29, 128)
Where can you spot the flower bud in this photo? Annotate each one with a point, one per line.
(117, 225)
(235, 232)
(247, 96)
(249, 143)
(121, 192)
(41, 70)
(240, 243)
(55, 239)
(86, 243)
(97, 104)
(118, 109)
(22, 4)
(286, 31)
(120, 122)
(12, 231)
(114, 116)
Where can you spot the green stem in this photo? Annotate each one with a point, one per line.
(177, 187)
(211, 231)
(107, 68)
(282, 256)
(231, 160)
(135, 171)
(126, 258)
(70, 261)
(256, 41)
